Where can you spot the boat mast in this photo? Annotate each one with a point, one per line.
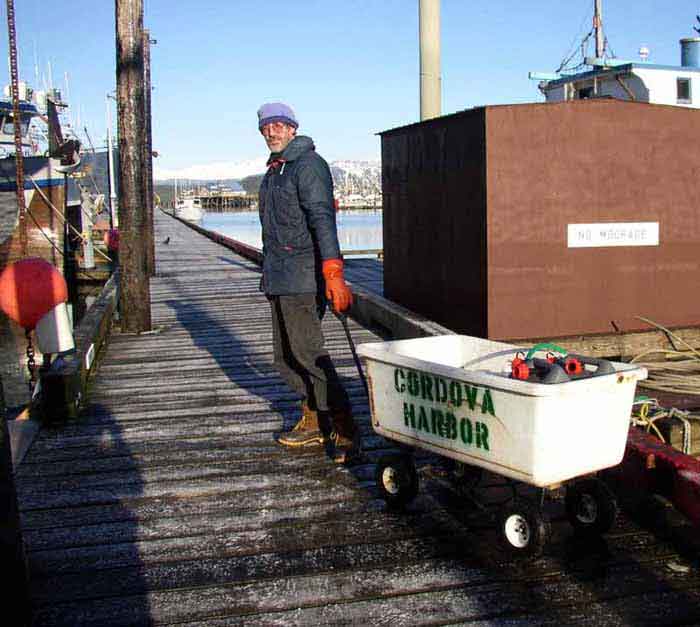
(36, 67)
(598, 26)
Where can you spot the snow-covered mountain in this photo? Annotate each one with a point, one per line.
(214, 171)
(356, 182)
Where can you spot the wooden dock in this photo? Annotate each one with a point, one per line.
(168, 502)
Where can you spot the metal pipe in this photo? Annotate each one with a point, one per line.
(430, 81)
(110, 160)
(148, 156)
(598, 26)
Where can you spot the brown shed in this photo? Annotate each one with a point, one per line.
(545, 220)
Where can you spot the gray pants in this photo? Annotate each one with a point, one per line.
(299, 353)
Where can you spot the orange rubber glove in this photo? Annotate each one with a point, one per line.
(338, 292)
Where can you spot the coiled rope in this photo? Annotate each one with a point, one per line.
(673, 371)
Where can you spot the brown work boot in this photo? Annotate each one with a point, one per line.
(305, 432)
(345, 436)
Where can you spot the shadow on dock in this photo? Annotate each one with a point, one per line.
(81, 492)
(439, 535)
(243, 361)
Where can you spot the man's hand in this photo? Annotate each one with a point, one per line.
(338, 292)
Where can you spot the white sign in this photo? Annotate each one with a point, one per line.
(613, 234)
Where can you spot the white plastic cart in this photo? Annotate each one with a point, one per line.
(454, 395)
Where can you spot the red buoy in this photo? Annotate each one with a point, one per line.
(29, 289)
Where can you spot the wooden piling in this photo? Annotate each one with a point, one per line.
(148, 154)
(134, 244)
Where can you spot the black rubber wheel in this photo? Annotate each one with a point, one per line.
(397, 479)
(523, 529)
(591, 506)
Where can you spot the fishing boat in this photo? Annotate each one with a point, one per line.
(44, 166)
(606, 76)
(47, 158)
(189, 207)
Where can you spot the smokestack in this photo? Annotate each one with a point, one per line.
(430, 82)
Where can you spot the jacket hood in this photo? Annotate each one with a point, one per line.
(297, 147)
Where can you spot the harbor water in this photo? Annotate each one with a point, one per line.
(357, 230)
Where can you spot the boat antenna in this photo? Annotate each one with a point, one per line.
(601, 41)
(68, 109)
(36, 67)
(50, 75)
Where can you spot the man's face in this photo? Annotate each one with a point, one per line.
(277, 135)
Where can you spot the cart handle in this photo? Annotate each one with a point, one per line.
(344, 321)
(545, 346)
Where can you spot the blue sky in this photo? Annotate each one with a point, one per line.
(349, 68)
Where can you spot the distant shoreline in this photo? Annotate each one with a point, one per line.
(363, 208)
(342, 209)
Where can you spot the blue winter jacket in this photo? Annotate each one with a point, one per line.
(298, 221)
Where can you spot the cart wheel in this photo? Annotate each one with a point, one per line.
(524, 529)
(397, 479)
(590, 506)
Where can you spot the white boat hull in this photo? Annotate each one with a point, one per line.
(38, 172)
(188, 210)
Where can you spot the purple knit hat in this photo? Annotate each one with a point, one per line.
(276, 112)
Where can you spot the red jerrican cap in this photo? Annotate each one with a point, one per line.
(520, 370)
(111, 239)
(573, 366)
(29, 289)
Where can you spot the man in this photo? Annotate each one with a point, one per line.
(302, 270)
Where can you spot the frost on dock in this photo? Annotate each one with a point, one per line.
(168, 501)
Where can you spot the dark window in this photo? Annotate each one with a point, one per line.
(683, 90)
(585, 92)
(8, 126)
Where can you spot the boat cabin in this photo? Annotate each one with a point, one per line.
(630, 80)
(27, 111)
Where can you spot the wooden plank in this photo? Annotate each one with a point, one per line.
(16, 586)
(623, 345)
(445, 589)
